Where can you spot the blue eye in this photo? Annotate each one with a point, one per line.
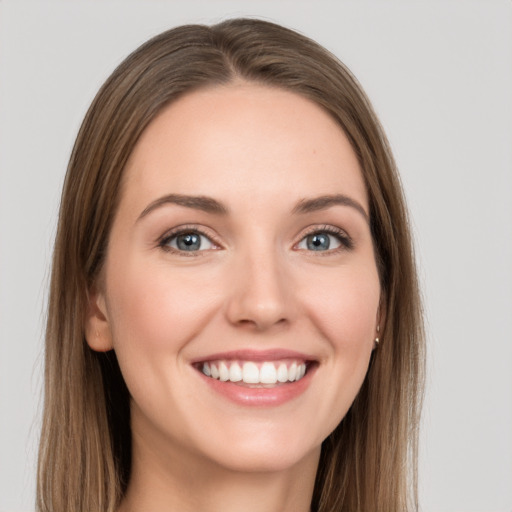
(323, 241)
(187, 241)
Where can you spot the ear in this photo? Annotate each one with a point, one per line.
(380, 321)
(97, 327)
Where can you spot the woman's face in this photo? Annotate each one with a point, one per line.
(241, 249)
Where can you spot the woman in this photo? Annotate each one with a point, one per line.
(234, 319)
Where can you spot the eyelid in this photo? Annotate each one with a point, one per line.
(345, 239)
(187, 228)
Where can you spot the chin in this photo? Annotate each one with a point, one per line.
(264, 459)
(262, 446)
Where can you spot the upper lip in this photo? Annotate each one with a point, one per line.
(256, 355)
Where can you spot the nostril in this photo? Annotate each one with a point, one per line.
(261, 323)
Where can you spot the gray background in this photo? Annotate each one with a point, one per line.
(440, 77)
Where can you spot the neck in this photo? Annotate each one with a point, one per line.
(188, 483)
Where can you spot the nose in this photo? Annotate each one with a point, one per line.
(261, 295)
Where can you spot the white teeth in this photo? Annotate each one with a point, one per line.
(223, 372)
(253, 373)
(235, 373)
(268, 374)
(282, 373)
(292, 372)
(250, 373)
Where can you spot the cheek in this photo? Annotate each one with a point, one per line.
(341, 305)
(154, 308)
(154, 311)
(344, 307)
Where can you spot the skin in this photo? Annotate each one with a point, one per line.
(258, 151)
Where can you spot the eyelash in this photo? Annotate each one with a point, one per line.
(346, 242)
(164, 241)
(343, 238)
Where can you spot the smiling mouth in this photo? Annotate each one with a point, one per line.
(255, 374)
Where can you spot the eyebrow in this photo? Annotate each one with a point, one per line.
(203, 203)
(323, 202)
(210, 205)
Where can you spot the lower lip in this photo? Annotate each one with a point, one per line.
(262, 397)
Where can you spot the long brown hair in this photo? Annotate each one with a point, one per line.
(369, 462)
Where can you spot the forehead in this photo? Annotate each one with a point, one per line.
(237, 140)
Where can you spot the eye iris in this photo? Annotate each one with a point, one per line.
(188, 242)
(318, 242)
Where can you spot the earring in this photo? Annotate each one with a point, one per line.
(377, 341)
